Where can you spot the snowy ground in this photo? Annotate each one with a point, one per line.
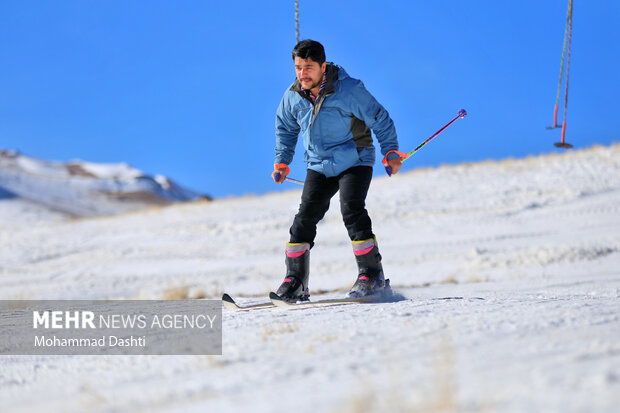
(511, 272)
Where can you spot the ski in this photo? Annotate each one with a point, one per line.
(228, 302)
(279, 302)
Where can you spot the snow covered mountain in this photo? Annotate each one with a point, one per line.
(84, 188)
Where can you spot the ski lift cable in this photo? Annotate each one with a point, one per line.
(297, 18)
(557, 100)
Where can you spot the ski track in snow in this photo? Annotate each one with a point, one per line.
(510, 270)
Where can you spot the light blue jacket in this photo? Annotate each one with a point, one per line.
(335, 130)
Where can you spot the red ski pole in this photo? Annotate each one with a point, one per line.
(462, 114)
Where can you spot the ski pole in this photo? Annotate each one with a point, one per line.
(278, 176)
(462, 114)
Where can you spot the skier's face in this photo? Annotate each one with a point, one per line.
(309, 73)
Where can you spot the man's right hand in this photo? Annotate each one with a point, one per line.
(280, 170)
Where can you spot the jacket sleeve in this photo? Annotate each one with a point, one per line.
(287, 131)
(366, 108)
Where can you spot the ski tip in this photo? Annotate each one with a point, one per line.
(277, 300)
(228, 302)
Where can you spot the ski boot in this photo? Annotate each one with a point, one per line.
(295, 285)
(370, 280)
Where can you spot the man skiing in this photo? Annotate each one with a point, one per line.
(334, 113)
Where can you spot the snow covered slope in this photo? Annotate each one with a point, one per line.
(510, 269)
(86, 189)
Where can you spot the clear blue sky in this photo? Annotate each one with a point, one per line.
(189, 89)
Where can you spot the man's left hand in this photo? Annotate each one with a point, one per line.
(395, 164)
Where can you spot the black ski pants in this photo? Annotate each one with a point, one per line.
(319, 190)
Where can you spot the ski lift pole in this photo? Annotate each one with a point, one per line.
(563, 143)
(462, 113)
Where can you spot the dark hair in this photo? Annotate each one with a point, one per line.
(310, 49)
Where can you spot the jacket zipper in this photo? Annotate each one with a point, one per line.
(316, 107)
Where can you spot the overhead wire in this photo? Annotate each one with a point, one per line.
(297, 18)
